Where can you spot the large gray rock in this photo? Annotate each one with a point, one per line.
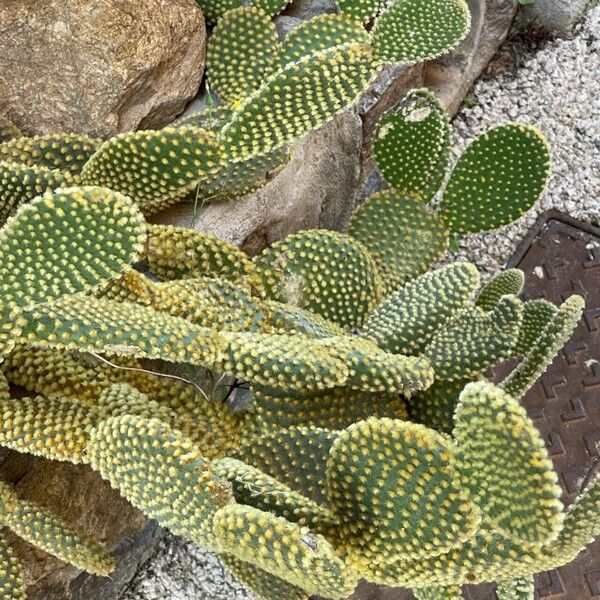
(555, 16)
(82, 498)
(98, 66)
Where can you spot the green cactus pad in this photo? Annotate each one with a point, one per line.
(509, 282)
(285, 362)
(543, 350)
(263, 584)
(211, 118)
(412, 145)
(118, 328)
(374, 370)
(435, 406)
(253, 487)
(20, 184)
(475, 340)
(66, 242)
(213, 10)
(63, 151)
(361, 10)
(8, 131)
(536, 316)
(237, 179)
(402, 235)
(497, 179)
(286, 318)
(296, 456)
(407, 319)
(505, 466)
(179, 253)
(319, 33)
(204, 301)
(581, 526)
(155, 168)
(325, 272)
(516, 589)
(161, 472)
(298, 98)
(45, 530)
(411, 31)
(240, 53)
(12, 579)
(386, 481)
(332, 409)
(49, 427)
(452, 592)
(287, 550)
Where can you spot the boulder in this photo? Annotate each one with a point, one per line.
(98, 66)
(557, 17)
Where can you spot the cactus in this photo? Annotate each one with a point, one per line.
(167, 164)
(384, 479)
(503, 194)
(347, 288)
(60, 151)
(409, 31)
(504, 465)
(515, 589)
(46, 531)
(406, 237)
(284, 549)
(451, 592)
(161, 471)
(21, 183)
(509, 282)
(240, 53)
(412, 145)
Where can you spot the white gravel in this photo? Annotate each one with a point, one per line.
(558, 90)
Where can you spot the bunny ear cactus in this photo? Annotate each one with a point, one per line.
(61, 151)
(12, 580)
(509, 282)
(516, 589)
(155, 168)
(404, 235)
(61, 244)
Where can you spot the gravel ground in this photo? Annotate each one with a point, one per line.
(557, 88)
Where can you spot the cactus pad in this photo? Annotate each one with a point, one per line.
(298, 98)
(545, 347)
(402, 235)
(497, 179)
(505, 466)
(12, 580)
(319, 33)
(63, 151)
(265, 585)
(410, 31)
(240, 53)
(452, 592)
(155, 168)
(21, 183)
(516, 589)
(161, 472)
(287, 550)
(509, 282)
(407, 319)
(286, 362)
(325, 272)
(475, 340)
(536, 316)
(287, 318)
(118, 328)
(45, 530)
(179, 253)
(386, 480)
(412, 145)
